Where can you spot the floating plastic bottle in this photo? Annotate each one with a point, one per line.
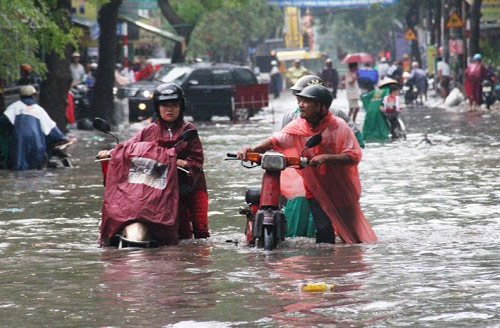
(320, 287)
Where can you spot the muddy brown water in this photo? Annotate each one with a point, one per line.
(435, 209)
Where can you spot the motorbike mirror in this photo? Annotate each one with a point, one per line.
(101, 125)
(313, 141)
(189, 135)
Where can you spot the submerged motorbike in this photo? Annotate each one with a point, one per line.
(410, 92)
(141, 192)
(59, 156)
(396, 126)
(488, 92)
(266, 221)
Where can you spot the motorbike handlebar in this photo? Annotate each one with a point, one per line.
(231, 155)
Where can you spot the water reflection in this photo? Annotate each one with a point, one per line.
(173, 279)
(434, 208)
(334, 265)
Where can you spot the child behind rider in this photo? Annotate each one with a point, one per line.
(390, 108)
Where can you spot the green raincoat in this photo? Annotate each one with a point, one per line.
(375, 126)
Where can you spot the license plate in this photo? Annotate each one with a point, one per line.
(486, 89)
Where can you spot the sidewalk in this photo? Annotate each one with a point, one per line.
(435, 101)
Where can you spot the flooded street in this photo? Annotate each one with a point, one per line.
(434, 207)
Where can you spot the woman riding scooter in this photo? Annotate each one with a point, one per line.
(169, 104)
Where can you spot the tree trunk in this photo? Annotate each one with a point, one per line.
(102, 102)
(475, 16)
(54, 89)
(181, 28)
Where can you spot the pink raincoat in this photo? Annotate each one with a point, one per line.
(336, 187)
(141, 185)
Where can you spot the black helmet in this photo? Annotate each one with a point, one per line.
(318, 93)
(305, 81)
(168, 92)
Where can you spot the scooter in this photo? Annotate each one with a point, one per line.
(266, 221)
(59, 156)
(410, 92)
(396, 126)
(153, 178)
(488, 92)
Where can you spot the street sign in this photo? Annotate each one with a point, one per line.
(455, 21)
(490, 14)
(456, 47)
(410, 34)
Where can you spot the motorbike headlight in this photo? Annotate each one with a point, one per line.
(147, 94)
(273, 161)
(115, 91)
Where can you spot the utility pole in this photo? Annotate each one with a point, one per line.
(445, 32)
(475, 16)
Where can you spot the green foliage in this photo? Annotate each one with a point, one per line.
(363, 29)
(226, 33)
(490, 50)
(29, 29)
(192, 11)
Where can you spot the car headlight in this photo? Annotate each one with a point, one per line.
(147, 94)
(274, 161)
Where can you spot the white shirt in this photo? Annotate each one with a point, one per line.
(382, 69)
(444, 67)
(351, 88)
(77, 72)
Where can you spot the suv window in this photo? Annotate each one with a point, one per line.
(203, 76)
(222, 77)
(175, 75)
(244, 76)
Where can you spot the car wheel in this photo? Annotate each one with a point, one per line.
(240, 114)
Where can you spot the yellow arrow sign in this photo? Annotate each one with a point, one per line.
(455, 21)
(410, 34)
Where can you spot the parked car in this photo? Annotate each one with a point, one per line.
(211, 90)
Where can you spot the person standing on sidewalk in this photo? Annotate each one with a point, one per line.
(276, 79)
(352, 90)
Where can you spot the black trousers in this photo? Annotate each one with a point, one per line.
(324, 228)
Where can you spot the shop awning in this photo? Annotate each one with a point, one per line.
(284, 55)
(329, 3)
(152, 29)
(83, 21)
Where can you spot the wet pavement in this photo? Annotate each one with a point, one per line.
(434, 207)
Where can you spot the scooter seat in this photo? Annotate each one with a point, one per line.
(124, 243)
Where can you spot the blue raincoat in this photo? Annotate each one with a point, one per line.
(27, 134)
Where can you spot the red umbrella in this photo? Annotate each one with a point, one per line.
(358, 57)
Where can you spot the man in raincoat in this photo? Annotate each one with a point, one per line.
(27, 134)
(300, 222)
(331, 180)
(294, 73)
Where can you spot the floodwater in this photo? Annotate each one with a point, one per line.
(435, 209)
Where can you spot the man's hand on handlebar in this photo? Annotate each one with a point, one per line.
(182, 163)
(242, 154)
(318, 160)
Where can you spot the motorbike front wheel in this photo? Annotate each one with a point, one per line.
(269, 239)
